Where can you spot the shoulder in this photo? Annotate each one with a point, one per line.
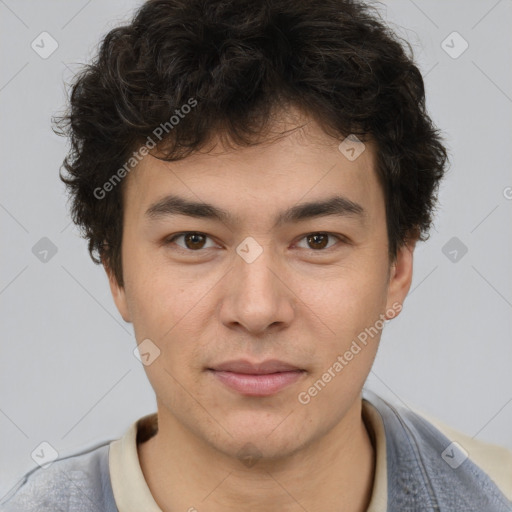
(495, 460)
(78, 482)
(431, 467)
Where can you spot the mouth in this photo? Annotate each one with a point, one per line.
(256, 379)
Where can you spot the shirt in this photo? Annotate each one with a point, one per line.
(418, 468)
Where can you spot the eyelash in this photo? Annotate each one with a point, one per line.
(171, 240)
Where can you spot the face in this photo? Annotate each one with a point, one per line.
(251, 301)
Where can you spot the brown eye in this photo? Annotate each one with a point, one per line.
(318, 240)
(193, 241)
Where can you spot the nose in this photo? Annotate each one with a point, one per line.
(258, 295)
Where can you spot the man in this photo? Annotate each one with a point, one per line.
(254, 177)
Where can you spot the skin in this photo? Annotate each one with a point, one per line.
(296, 302)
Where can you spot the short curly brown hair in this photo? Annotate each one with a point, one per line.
(240, 61)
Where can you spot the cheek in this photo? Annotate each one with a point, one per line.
(173, 311)
(348, 300)
(157, 297)
(160, 308)
(351, 308)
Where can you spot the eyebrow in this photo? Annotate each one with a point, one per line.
(334, 206)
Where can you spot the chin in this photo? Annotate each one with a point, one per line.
(263, 439)
(253, 449)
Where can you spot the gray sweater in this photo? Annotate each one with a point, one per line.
(424, 474)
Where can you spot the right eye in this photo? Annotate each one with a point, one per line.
(193, 241)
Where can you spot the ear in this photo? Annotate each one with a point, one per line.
(400, 276)
(118, 293)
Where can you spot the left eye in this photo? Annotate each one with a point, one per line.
(318, 241)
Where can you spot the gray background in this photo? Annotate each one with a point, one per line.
(67, 371)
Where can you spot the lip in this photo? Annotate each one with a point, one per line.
(262, 368)
(256, 379)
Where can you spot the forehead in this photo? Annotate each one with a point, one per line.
(296, 161)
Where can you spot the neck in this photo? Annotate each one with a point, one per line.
(332, 473)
